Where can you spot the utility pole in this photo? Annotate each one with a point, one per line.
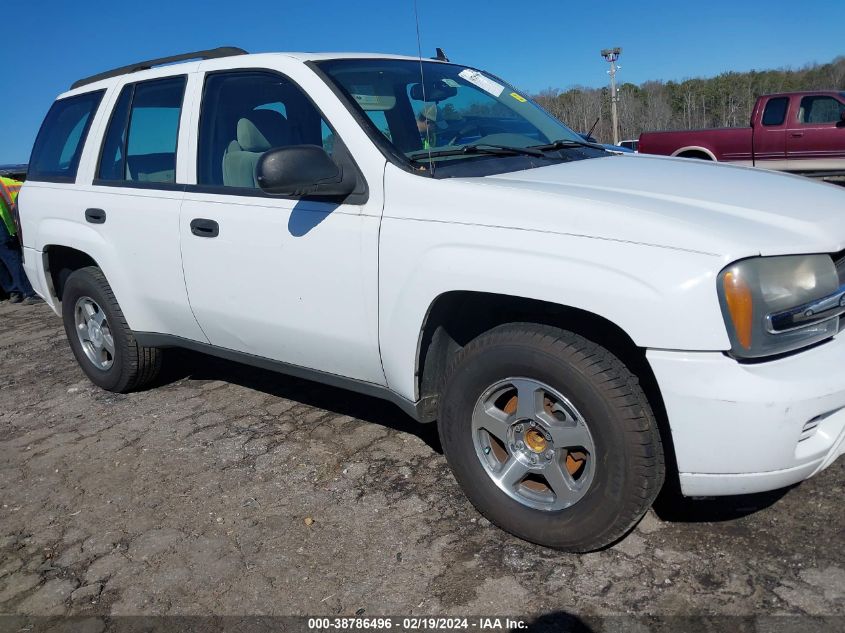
(611, 55)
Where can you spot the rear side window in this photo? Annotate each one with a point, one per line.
(820, 109)
(58, 147)
(140, 143)
(775, 112)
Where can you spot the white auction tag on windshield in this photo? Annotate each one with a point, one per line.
(476, 78)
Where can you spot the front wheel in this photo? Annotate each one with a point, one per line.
(100, 338)
(550, 436)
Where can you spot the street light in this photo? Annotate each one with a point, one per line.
(610, 56)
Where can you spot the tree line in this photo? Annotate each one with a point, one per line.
(722, 101)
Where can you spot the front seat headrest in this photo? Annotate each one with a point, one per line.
(262, 129)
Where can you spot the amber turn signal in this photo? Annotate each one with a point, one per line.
(740, 306)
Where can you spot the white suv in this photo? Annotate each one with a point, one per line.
(577, 322)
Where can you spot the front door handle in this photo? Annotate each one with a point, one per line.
(95, 216)
(797, 134)
(202, 227)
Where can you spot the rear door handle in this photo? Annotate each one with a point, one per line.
(95, 216)
(202, 227)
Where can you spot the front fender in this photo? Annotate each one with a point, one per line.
(662, 298)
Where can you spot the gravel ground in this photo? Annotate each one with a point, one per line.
(234, 491)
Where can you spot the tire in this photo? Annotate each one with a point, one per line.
(126, 366)
(617, 460)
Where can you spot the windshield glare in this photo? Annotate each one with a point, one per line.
(453, 107)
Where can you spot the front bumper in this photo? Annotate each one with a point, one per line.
(743, 428)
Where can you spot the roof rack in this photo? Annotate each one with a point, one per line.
(214, 53)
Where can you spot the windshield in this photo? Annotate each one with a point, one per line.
(455, 109)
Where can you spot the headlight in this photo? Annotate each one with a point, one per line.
(773, 305)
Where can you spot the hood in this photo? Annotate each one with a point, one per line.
(680, 203)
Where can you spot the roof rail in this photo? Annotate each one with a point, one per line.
(214, 53)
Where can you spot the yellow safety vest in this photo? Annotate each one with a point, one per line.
(8, 196)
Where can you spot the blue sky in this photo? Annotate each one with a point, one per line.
(48, 44)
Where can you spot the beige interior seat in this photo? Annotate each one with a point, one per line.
(256, 132)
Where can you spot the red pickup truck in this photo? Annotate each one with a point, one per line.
(798, 132)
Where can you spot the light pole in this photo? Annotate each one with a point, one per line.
(611, 55)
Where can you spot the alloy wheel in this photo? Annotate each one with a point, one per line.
(533, 443)
(94, 333)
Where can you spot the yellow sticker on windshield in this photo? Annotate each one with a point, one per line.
(519, 98)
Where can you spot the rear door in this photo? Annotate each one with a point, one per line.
(816, 138)
(135, 206)
(769, 136)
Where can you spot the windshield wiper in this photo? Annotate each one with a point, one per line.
(481, 148)
(564, 144)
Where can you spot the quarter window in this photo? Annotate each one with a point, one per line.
(58, 147)
(379, 121)
(775, 112)
(246, 113)
(820, 110)
(140, 143)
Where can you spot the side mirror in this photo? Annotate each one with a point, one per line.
(302, 170)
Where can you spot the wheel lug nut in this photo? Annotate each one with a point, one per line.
(533, 459)
(532, 424)
(520, 445)
(549, 454)
(518, 428)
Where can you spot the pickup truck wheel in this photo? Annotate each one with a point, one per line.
(101, 340)
(550, 436)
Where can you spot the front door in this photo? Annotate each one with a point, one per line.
(816, 137)
(770, 136)
(290, 280)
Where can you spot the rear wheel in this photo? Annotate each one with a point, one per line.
(550, 436)
(100, 338)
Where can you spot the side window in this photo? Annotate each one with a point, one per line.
(58, 147)
(327, 137)
(140, 143)
(775, 112)
(246, 113)
(820, 110)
